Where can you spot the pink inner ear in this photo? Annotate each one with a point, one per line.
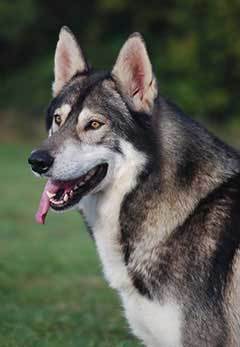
(65, 63)
(135, 60)
(138, 80)
(134, 70)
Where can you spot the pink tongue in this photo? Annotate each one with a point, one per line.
(44, 204)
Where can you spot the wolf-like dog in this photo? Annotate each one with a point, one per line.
(159, 193)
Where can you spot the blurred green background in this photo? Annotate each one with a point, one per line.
(194, 46)
(51, 288)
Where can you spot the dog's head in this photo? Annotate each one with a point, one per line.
(98, 123)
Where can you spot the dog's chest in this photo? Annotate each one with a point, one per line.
(157, 325)
(154, 323)
(102, 213)
(103, 217)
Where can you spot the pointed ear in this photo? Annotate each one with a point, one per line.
(133, 70)
(68, 61)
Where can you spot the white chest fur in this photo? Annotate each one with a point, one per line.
(106, 233)
(157, 325)
(102, 213)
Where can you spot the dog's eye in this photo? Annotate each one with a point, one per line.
(94, 124)
(57, 119)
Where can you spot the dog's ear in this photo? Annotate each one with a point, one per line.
(133, 71)
(68, 60)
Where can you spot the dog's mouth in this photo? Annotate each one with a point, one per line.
(61, 195)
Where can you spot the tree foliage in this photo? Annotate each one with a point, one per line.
(194, 45)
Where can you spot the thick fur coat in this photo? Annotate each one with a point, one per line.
(164, 204)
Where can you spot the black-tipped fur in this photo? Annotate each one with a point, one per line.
(179, 232)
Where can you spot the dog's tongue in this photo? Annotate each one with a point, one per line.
(44, 204)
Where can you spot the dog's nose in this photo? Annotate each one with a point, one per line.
(40, 161)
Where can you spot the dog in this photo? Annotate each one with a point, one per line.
(159, 193)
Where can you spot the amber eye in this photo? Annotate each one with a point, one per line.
(57, 119)
(94, 125)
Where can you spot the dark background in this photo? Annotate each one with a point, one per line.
(194, 46)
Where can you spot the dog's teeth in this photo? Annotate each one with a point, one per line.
(50, 195)
(57, 202)
(65, 198)
(81, 183)
(76, 187)
(71, 193)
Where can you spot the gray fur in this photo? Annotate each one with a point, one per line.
(179, 231)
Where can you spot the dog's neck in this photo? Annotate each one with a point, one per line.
(192, 164)
(138, 211)
(189, 167)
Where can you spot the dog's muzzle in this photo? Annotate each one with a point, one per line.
(40, 161)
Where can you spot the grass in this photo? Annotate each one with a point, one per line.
(51, 289)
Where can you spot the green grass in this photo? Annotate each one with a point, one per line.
(51, 289)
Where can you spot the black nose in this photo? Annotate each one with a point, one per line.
(40, 161)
